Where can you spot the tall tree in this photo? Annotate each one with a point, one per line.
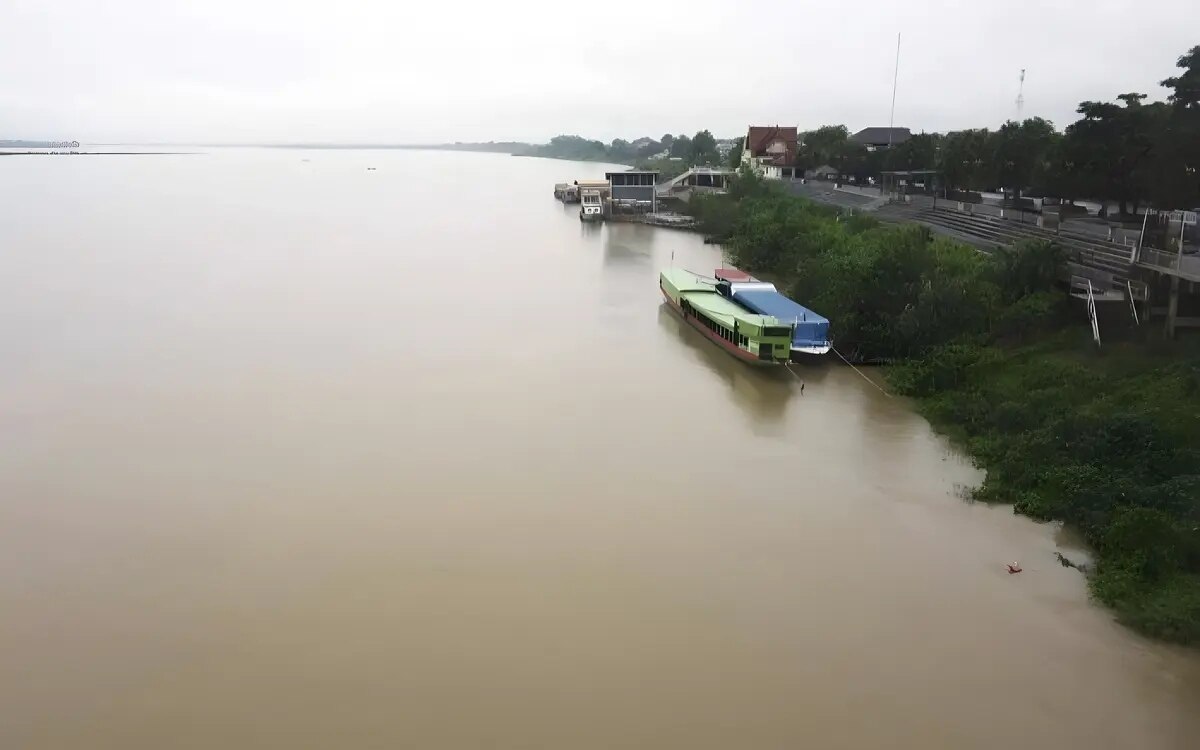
(1063, 174)
(1113, 146)
(1019, 151)
(963, 159)
(649, 148)
(621, 150)
(681, 147)
(1185, 87)
(918, 152)
(828, 144)
(857, 162)
(735, 154)
(704, 148)
(1176, 168)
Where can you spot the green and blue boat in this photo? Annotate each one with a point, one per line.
(753, 338)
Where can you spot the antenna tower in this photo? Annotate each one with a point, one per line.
(1021, 96)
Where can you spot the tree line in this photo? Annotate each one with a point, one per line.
(1129, 152)
(699, 149)
(997, 358)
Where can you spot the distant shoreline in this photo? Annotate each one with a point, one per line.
(497, 147)
(96, 153)
(574, 158)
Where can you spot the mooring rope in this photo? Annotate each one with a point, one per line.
(860, 372)
(789, 369)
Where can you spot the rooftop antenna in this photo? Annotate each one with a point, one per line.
(895, 80)
(1021, 96)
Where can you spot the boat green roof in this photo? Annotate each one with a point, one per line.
(686, 281)
(702, 295)
(723, 311)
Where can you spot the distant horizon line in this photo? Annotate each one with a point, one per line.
(25, 143)
(317, 144)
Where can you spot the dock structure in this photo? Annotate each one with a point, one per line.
(695, 181)
(566, 192)
(633, 191)
(633, 196)
(601, 186)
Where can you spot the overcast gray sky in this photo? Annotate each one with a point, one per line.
(353, 71)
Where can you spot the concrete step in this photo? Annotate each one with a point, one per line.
(1064, 236)
(1111, 256)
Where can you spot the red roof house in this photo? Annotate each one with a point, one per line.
(771, 144)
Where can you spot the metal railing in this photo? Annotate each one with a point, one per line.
(1091, 305)
(1152, 257)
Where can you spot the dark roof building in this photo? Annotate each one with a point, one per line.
(874, 138)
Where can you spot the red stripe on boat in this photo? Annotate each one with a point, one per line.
(729, 346)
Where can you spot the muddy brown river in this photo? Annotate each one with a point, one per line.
(294, 454)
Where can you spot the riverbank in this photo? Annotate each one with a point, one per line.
(1107, 441)
(597, 160)
(667, 169)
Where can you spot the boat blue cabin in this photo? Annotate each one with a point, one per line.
(811, 331)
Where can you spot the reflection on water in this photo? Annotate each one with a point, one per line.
(627, 243)
(764, 393)
(591, 230)
(300, 455)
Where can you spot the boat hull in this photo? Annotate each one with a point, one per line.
(735, 351)
(812, 351)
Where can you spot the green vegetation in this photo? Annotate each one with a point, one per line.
(735, 153)
(572, 147)
(643, 152)
(1129, 153)
(1107, 441)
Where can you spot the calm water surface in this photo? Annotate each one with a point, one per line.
(299, 455)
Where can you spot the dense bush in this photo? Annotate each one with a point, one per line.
(1108, 445)
(894, 291)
